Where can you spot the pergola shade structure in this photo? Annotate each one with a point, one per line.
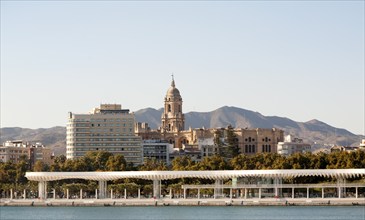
(218, 175)
(214, 175)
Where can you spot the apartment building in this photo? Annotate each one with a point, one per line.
(108, 128)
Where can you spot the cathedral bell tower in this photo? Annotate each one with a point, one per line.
(172, 118)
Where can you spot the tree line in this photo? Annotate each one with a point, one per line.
(13, 175)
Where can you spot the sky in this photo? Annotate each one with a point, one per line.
(302, 60)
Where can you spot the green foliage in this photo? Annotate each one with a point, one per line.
(232, 143)
(214, 162)
(183, 163)
(153, 164)
(218, 143)
(116, 163)
(13, 175)
(39, 166)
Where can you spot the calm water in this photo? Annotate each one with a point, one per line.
(185, 212)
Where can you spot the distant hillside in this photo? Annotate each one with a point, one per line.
(311, 131)
(54, 137)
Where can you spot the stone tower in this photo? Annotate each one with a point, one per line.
(172, 118)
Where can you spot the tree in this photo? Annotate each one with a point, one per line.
(116, 163)
(98, 159)
(152, 164)
(21, 167)
(39, 166)
(183, 163)
(232, 143)
(214, 162)
(239, 162)
(218, 142)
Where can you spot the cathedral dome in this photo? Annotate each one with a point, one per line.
(173, 91)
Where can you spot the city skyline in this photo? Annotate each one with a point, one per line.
(301, 60)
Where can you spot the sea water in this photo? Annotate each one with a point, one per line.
(187, 212)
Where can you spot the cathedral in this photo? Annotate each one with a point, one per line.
(172, 130)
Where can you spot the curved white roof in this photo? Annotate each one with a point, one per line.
(210, 174)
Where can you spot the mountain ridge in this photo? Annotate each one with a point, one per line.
(313, 131)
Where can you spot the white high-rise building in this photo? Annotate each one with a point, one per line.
(108, 128)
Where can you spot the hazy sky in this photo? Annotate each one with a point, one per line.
(298, 59)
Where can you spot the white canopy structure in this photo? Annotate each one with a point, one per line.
(217, 175)
(209, 174)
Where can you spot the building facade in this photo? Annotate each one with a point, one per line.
(292, 145)
(108, 128)
(13, 151)
(172, 130)
(157, 149)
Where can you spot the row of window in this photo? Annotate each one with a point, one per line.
(101, 134)
(266, 139)
(72, 128)
(107, 149)
(250, 148)
(266, 148)
(102, 139)
(15, 151)
(111, 125)
(101, 120)
(103, 144)
(101, 130)
(136, 160)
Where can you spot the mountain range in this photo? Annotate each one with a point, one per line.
(314, 132)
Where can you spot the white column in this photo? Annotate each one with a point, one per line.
(111, 193)
(292, 193)
(11, 193)
(322, 192)
(54, 193)
(260, 193)
(170, 193)
(245, 193)
(356, 192)
(80, 193)
(218, 191)
(42, 189)
(230, 193)
(160, 189)
(24, 194)
(156, 189)
(339, 192)
(45, 190)
(102, 189)
(184, 193)
(198, 193)
(67, 194)
(341, 184)
(125, 193)
(276, 181)
(96, 193)
(307, 192)
(139, 193)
